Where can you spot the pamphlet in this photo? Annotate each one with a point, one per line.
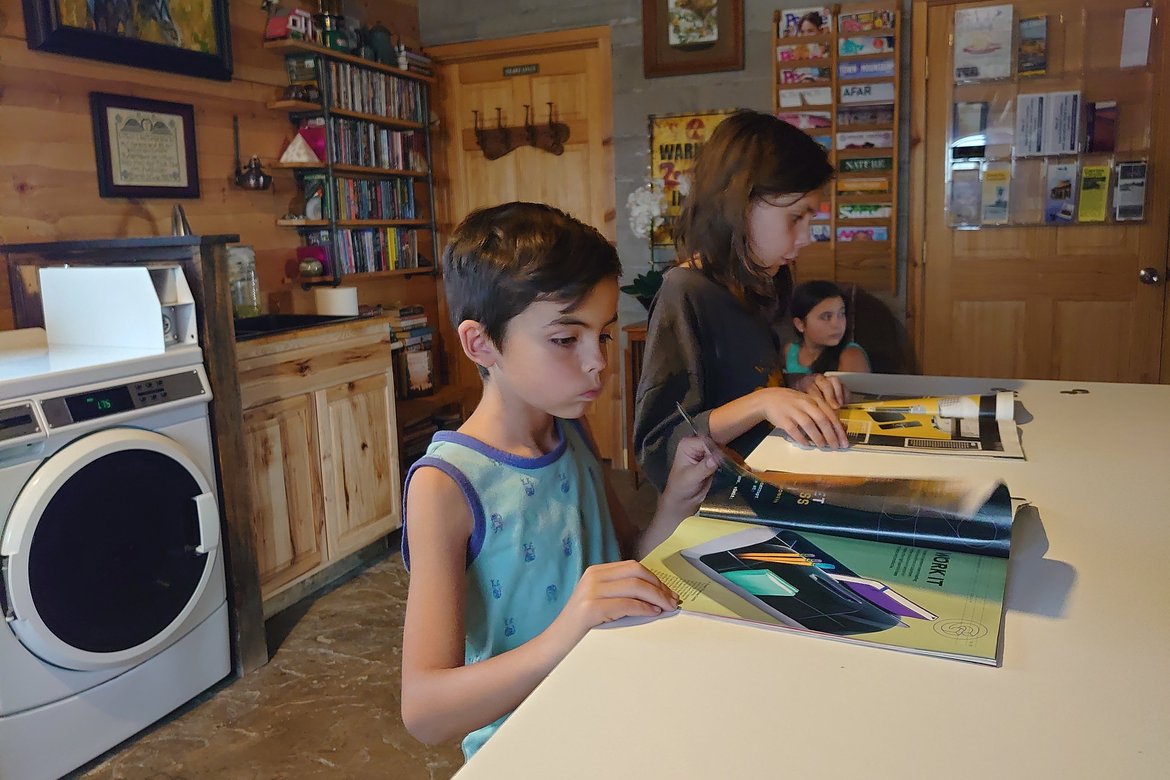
(863, 234)
(969, 130)
(806, 96)
(966, 196)
(864, 210)
(1032, 49)
(1135, 37)
(802, 51)
(1030, 124)
(1059, 203)
(1129, 194)
(807, 120)
(856, 47)
(850, 184)
(864, 21)
(865, 69)
(804, 75)
(878, 92)
(1062, 114)
(862, 164)
(996, 189)
(873, 139)
(1094, 198)
(865, 115)
(821, 232)
(983, 43)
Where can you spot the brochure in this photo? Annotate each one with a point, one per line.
(845, 185)
(807, 120)
(978, 425)
(1032, 49)
(873, 139)
(1093, 203)
(997, 178)
(983, 43)
(863, 234)
(918, 565)
(804, 75)
(802, 51)
(879, 92)
(864, 211)
(814, 20)
(1129, 194)
(866, 69)
(856, 47)
(865, 164)
(865, 115)
(1062, 113)
(805, 96)
(864, 21)
(1059, 204)
(966, 195)
(1030, 124)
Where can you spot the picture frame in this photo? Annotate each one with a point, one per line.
(675, 41)
(144, 148)
(193, 41)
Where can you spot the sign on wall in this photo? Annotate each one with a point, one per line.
(675, 141)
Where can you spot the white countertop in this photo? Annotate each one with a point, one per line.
(1084, 690)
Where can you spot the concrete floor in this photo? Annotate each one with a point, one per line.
(326, 704)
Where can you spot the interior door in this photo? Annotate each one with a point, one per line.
(1031, 298)
(496, 79)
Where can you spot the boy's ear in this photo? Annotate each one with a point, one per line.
(476, 345)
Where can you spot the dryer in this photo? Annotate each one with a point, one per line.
(111, 572)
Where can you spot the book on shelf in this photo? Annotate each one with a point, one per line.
(918, 565)
(979, 425)
(414, 366)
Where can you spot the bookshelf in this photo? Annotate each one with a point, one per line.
(840, 84)
(374, 185)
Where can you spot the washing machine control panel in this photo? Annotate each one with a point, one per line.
(18, 422)
(114, 399)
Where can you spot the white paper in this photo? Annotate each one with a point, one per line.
(1062, 114)
(1030, 124)
(1135, 37)
(808, 96)
(983, 43)
(879, 92)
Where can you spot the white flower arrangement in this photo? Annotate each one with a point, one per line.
(645, 205)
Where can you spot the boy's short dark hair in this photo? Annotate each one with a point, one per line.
(502, 258)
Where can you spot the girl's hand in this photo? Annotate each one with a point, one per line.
(689, 479)
(807, 418)
(828, 388)
(606, 592)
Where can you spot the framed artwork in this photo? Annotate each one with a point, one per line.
(145, 148)
(675, 140)
(685, 36)
(192, 37)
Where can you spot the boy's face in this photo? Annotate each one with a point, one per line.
(553, 359)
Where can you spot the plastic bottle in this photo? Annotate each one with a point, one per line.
(242, 277)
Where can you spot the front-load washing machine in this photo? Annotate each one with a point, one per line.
(111, 573)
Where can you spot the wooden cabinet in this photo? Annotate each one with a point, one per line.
(321, 446)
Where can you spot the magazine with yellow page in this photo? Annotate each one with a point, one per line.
(979, 425)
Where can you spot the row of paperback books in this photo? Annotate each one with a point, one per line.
(374, 199)
(367, 250)
(364, 143)
(412, 345)
(370, 92)
(415, 62)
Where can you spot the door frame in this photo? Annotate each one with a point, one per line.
(916, 250)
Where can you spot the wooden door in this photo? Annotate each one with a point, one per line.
(359, 463)
(571, 70)
(288, 520)
(1032, 299)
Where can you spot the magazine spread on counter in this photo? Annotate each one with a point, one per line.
(979, 425)
(918, 565)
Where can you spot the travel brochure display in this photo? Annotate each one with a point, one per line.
(918, 565)
(1060, 127)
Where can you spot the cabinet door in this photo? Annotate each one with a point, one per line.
(287, 508)
(359, 463)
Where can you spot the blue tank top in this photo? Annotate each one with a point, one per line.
(538, 523)
(792, 358)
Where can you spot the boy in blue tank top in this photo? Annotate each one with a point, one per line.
(513, 539)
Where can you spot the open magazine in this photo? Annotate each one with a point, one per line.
(913, 564)
(981, 425)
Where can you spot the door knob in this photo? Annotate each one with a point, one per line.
(1149, 275)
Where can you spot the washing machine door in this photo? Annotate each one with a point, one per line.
(108, 548)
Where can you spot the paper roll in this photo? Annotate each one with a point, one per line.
(336, 300)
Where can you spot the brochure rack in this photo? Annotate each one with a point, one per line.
(1037, 141)
(836, 75)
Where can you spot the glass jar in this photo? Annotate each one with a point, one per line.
(245, 289)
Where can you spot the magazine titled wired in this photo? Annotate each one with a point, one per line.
(918, 565)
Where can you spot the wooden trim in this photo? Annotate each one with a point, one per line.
(289, 45)
(582, 37)
(916, 180)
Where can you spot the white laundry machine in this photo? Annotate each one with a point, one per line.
(111, 573)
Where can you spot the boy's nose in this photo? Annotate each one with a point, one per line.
(595, 359)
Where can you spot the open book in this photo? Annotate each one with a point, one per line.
(953, 425)
(913, 564)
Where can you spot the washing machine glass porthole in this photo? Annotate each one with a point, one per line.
(112, 561)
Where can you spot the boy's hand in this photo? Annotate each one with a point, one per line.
(690, 477)
(805, 417)
(606, 592)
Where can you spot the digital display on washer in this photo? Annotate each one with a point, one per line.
(99, 403)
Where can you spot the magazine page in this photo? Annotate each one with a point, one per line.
(931, 433)
(947, 514)
(919, 600)
(972, 516)
(999, 406)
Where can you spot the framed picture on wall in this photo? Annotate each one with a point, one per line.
(144, 148)
(691, 36)
(192, 37)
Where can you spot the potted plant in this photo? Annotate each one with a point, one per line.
(644, 286)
